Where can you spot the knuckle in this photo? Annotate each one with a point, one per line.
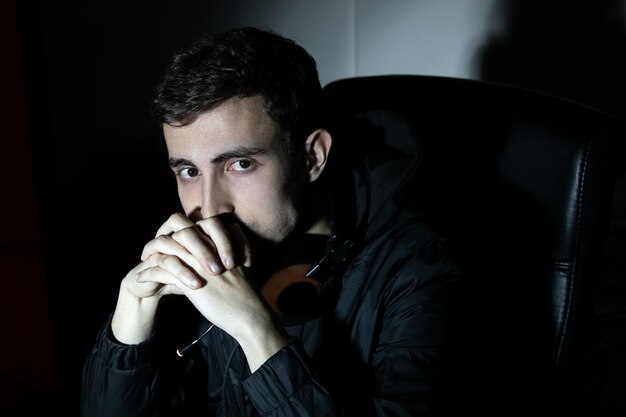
(166, 261)
(178, 217)
(161, 240)
(175, 222)
(143, 275)
(184, 233)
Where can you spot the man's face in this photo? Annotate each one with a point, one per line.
(231, 159)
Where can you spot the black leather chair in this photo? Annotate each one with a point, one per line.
(523, 181)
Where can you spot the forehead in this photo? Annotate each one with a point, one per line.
(234, 123)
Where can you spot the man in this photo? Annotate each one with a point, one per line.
(243, 124)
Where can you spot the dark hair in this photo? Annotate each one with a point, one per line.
(242, 62)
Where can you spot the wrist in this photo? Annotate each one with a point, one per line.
(260, 341)
(133, 318)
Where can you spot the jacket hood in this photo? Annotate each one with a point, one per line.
(384, 153)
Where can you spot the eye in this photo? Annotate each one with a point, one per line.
(188, 173)
(242, 165)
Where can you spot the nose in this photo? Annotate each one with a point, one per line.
(216, 198)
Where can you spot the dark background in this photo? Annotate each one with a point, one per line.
(84, 176)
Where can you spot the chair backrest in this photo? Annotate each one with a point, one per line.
(524, 182)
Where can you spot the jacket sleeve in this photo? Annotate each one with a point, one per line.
(413, 360)
(117, 379)
(406, 372)
(285, 386)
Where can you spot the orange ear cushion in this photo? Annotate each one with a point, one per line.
(291, 294)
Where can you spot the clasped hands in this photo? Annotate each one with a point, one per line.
(185, 254)
(206, 261)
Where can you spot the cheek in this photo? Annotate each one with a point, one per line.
(267, 210)
(188, 200)
(266, 202)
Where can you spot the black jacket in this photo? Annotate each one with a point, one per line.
(384, 349)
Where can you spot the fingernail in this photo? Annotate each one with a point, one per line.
(215, 268)
(229, 262)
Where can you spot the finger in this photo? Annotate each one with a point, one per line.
(168, 270)
(216, 230)
(152, 287)
(193, 251)
(243, 251)
(201, 247)
(174, 223)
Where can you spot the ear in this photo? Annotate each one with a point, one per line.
(317, 146)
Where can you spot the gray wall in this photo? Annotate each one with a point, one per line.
(366, 37)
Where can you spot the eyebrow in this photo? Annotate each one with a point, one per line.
(178, 162)
(239, 152)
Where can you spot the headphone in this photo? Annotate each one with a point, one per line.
(301, 280)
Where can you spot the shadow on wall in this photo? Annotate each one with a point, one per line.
(565, 48)
(573, 50)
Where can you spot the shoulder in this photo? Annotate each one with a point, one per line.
(409, 256)
(411, 244)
